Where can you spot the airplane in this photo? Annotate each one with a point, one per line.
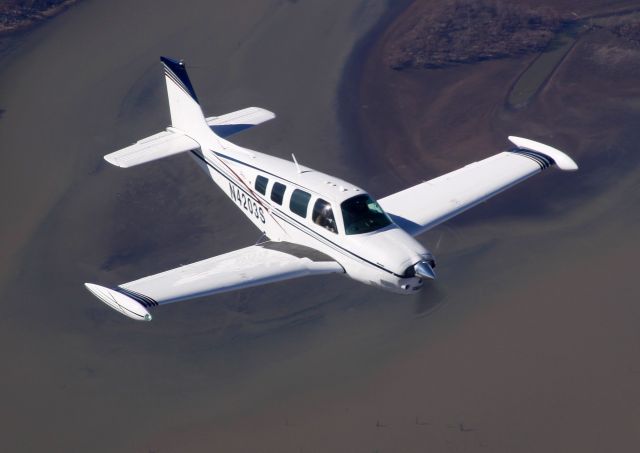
(311, 223)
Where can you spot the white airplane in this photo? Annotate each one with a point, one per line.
(311, 223)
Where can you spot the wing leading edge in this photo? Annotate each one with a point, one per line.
(251, 266)
(424, 206)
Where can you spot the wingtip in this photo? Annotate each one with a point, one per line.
(119, 302)
(561, 159)
(109, 158)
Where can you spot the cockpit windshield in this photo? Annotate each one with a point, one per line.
(362, 214)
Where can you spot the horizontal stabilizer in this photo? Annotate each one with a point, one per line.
(163, 144)
(238, 121)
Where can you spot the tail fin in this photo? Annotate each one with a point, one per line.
(186, 113)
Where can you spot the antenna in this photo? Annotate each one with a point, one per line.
(295, 161)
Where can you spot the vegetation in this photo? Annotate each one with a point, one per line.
(16, 14)
(465, 31)
(629, 30)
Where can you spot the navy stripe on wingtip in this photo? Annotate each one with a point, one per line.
(179, 70)
(145, 301)
(542, 160)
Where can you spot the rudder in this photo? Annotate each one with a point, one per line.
(186, 113)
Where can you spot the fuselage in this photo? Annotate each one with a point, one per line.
(296, 204)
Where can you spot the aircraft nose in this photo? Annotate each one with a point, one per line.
(424, 269)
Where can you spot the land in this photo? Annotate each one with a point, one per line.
(628, 29)
(440, 34)
(467, 31)
(438, 114)
(17, 15)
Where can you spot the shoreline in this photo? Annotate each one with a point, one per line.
(11, 38)
(348, 107)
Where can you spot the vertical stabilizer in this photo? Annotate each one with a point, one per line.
(186, 113)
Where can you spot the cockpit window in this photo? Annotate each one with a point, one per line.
(323, 215)
(362, 214)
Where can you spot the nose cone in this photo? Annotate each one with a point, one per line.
(392, 248)
(423, 269)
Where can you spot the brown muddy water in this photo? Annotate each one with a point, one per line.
(528, 341)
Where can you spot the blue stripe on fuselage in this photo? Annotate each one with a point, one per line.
(283, 216)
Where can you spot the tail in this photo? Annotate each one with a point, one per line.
(186, 114)
(190, 129)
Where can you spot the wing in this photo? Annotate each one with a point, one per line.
(422, 207)
(234, 122)
(259, 264)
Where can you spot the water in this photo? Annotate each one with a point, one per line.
(528, 337)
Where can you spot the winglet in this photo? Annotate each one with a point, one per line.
(120, 302)
(563, 161)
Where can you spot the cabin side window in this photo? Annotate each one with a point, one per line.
(277, 192)
(299, 202)
(323, 215)
(261, 184)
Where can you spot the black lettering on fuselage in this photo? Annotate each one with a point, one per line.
(246, 202)
(232, 191)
